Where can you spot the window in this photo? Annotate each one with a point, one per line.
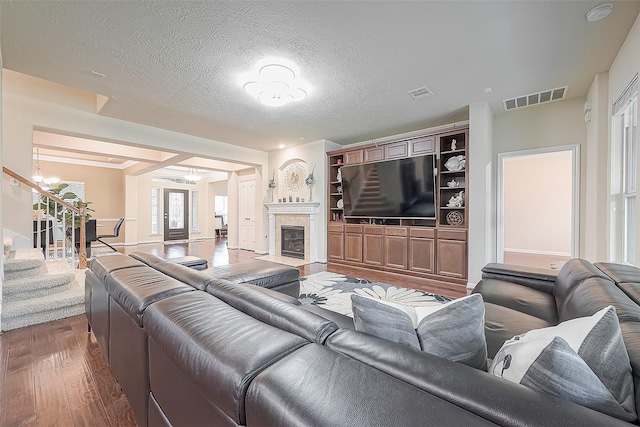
(221, 207)
(155, 210)
(194, 211)
(625, 167)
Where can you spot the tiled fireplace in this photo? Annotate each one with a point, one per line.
(302, 216)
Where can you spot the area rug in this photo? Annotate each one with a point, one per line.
(333, 291)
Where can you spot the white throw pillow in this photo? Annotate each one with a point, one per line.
(583, 360)
(454, 330)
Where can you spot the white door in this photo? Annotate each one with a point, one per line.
(246, 211)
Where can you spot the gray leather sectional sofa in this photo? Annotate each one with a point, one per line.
(190, 349)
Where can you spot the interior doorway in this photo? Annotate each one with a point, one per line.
(538, 200)
(247, 214)
(176, 214)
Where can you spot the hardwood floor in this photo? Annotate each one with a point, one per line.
(54, 374)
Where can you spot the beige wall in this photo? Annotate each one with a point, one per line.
(559, 123)
(537, 203)
(103, 186)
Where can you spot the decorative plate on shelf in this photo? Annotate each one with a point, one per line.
(340, 204)
(455, 163)
(294, 176)
(455, 218)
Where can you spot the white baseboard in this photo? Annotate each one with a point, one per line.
(262, 252)
(536, 252)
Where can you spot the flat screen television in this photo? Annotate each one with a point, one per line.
(402, 188)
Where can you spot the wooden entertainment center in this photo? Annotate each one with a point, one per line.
(434, 250)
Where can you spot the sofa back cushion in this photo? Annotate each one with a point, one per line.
(134, 289)
(216, 347)
(627, 277)
(103, 265)
(273, 311)
(571, 276)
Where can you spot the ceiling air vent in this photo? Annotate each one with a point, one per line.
(535, 98)
(421, 92)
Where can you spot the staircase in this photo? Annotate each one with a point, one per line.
(35, 291)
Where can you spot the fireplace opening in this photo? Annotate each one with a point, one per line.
(292, 241)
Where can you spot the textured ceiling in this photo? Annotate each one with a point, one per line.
(175, 65)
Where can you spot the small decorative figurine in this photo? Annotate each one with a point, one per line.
(339, 176)
(453, 183)
(453, 144)
(457, 200)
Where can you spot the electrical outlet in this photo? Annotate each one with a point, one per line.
(523, 239)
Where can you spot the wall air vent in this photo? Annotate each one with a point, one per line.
(535, 98)
(421, 92)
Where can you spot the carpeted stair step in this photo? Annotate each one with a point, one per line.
(35, 287)
(18, 314)
(17, 268)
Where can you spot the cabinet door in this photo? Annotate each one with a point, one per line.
(422, 146)
(396, 251)
(373, 249)
(373, 154)
(335, 246)
(398, 149)
(421, 254)
(353, 247)
(353, 157)
(452, 258)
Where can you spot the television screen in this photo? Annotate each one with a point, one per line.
(403, 188)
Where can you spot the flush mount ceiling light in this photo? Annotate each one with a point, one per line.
(192, 175)
(599, 12)
(275, 86)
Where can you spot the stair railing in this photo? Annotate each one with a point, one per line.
(55, 227)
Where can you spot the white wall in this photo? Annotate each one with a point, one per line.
(624, 67)
(311, 153)
(2, 186)
(596, 236)
(31, 103)
(480, 192)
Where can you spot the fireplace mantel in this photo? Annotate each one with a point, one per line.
(295, 208)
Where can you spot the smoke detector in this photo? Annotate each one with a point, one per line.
(599, 12)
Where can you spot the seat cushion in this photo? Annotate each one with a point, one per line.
(518, 297)
(261, 273)
(503, 323)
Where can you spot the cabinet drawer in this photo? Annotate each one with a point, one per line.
(396, 231)
(352, 228)
(353, 157)
(452, 234)
(373, 154)
(423, 232)
(398, 149)
(422, 145)
(373, 229)
(335, 228)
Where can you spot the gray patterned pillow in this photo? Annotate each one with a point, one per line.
(583, 360)
(453, 331)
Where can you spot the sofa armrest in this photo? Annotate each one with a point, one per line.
(538, 278)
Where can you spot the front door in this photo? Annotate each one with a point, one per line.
(176, 214)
